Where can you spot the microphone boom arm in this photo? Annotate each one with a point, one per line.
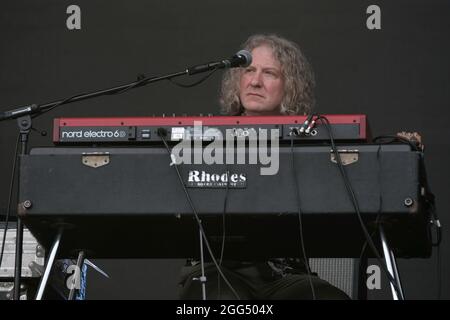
(17, 112)
(241, 59)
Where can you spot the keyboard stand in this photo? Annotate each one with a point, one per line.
(49, 265)
(392, 267)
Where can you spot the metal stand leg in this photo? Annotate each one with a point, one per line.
(78, 270)
(25, 125)
(392, 267)
(49, 265)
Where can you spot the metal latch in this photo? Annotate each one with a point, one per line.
(95, 159)
(347, 156)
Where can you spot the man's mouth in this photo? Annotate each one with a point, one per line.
(255, 95)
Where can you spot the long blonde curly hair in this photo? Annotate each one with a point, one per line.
(296, 70)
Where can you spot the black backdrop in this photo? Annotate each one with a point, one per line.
(399, 76)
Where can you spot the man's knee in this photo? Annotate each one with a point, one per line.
(303, 287)
(325, 291)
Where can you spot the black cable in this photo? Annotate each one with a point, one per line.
(437, 223)
(364, 246)
(380, 210)
(429, 200)
(297, 191)
(356, 206)
(118, 91)
(161, 133)
(223, 218)
(225, 202)
(11, 187)
(141, 79)
(222, 249)
(439, 273)
(182, 85)
(393, 138)
(140, 82)
(54, 106)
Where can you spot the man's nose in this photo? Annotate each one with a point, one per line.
(256, 79)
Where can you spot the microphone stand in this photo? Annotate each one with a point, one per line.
(38, 109)
(24, 124)
(24, 120)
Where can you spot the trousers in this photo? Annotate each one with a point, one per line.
(254, 281)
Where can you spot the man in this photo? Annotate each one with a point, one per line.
(278, 81)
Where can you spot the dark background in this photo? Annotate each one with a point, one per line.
(399, 76)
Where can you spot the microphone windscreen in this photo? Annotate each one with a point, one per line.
(247, 57)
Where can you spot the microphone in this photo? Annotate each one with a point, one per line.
(241, 59)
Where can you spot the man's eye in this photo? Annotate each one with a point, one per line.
(271, 73)
(249, 70)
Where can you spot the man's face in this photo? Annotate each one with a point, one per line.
(262, 84)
